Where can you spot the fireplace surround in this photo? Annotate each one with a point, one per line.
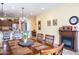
(69, 37)
(68, 42)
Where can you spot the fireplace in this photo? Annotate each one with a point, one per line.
(69, 37)
(68, 42)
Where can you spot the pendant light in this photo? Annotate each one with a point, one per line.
(2, 14)
(2, 9)
(22, 14)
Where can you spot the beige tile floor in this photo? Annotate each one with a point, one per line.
(68, 52)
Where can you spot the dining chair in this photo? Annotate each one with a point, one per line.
(40, 37)
(60, 49)
(13, 45)
(53, 51)
(13, 42)
(49, 40)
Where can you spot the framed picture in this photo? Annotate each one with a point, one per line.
(48, 23)
(39, 25)
(54, 22)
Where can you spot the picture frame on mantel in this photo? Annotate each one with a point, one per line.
(48, 22)
(54, 22)
(39, 25)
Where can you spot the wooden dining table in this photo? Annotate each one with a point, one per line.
(15, 49)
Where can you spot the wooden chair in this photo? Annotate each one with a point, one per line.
(40, 37)
(34, 39)
(13, 45)
(49, 40)
(60, 49)
(54, 51)
(13, 42)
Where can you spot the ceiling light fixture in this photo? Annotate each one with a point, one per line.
(42, 8)
(22, 14)
(2, 10)
(2, 13)
(5, 14)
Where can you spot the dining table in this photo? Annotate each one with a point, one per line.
(35, 48)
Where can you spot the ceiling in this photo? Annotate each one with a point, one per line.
(30, 9)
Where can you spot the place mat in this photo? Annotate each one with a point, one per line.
(41, 47)
(36, 44)
(15, 47)
(22, 51)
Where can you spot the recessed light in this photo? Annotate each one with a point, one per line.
(42, 8)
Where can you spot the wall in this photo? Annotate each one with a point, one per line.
(33, 23)
(62, 14)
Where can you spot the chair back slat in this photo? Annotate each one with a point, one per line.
(40, 37)
(49, 39)
(53, 51)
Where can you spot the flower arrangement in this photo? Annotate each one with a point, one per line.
(25, 36)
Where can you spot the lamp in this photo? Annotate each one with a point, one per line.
(2, 14)
(2, 9)
(25, 34)
(22, 14)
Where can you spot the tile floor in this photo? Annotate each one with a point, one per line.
(68, 52)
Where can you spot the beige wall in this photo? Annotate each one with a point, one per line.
(33, 23)
(62, 14)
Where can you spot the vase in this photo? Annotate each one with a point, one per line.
(25, 36)
(25, 40)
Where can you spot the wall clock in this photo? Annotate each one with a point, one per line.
(73, 20)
